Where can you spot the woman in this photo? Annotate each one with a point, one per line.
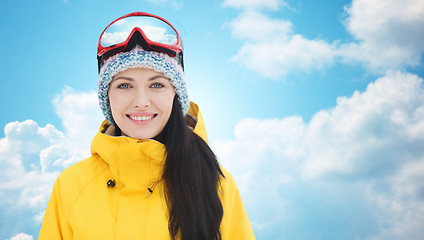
(151, 174)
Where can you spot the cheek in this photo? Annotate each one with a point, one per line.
(112, 100)
(116, 101)
(169, 102)
(164, 101)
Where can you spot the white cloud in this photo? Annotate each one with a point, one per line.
(256, 4)
(19, 149)
(358, 166)
(23, 185)
(81, 118)
(256, 27)
(113, 38)
(31, 157)
(402, 205)
(390, 33)
(386, 35)
(388, 115)
(273, 50)
(26, 181)
(22, 236)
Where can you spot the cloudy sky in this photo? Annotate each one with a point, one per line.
(316, 107)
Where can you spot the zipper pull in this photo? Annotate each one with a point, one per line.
(150, 189)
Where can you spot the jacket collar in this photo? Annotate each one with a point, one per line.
(136, 163)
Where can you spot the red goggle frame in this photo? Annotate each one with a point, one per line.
(148, 31)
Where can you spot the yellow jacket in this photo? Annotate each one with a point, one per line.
(83, 206)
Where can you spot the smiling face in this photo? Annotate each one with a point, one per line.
(141, 102)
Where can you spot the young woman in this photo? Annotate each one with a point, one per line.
(152, 174)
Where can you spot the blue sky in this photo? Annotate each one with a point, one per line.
(315, 107)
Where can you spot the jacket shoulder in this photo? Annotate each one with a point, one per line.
(229, 189)
(82, 172)
(227, 181)
(72, 181)
(67, 188)
(235, 223)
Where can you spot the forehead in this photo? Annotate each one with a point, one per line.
(140, 72)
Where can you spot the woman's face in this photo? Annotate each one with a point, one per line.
(141, 102)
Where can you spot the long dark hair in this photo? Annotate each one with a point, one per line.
(191, 178)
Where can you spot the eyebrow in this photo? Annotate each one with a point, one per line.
(158, 76)
(124, 78)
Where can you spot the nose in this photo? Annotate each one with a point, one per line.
(141, 99)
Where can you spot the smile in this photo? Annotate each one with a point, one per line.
(141, 118)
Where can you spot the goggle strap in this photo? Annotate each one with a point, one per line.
(180, 58)
(106, 55)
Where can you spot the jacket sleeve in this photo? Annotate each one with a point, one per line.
(55, 224)
(235, 223)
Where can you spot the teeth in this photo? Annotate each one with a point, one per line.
(141, 118)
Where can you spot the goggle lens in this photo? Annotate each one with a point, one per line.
(154, 29)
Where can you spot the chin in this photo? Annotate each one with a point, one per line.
(143, 135)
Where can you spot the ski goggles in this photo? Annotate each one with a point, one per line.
(150, 32)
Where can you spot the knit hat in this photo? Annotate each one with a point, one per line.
(138, 58)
